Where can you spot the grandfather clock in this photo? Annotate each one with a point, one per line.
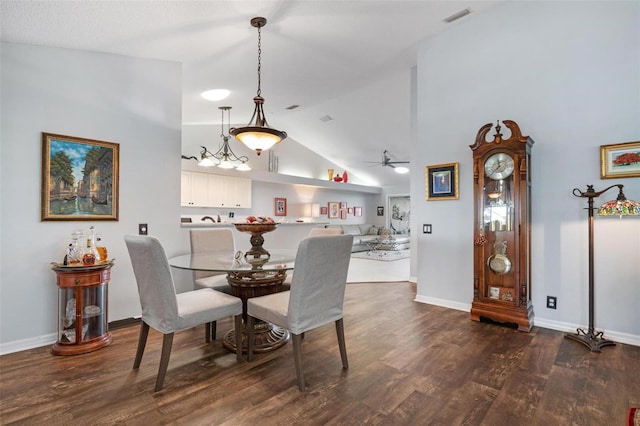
(502, 230)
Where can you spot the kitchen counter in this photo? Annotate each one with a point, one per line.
(209, 224)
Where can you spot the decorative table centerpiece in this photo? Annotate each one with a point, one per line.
(256, 226)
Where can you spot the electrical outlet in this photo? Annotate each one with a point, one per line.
(552, 302)
(143, 229)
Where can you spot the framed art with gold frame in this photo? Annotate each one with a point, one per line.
(442, 182)
(621, 160)
(79, 178)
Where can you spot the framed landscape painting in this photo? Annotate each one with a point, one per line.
(79, 178)
(620, 160)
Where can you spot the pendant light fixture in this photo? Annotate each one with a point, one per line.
(224, 157)
(257, 135)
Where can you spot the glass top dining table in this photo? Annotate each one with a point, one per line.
(281, 259)
(247, 280)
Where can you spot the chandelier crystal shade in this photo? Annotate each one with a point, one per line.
(257, 135)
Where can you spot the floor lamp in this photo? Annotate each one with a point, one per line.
(591, 338)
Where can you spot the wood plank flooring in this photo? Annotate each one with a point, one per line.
(410, 364)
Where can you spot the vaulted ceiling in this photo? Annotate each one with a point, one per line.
(349, 61)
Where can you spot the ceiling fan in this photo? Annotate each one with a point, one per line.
(386, 161)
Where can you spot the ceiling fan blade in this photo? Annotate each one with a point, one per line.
(398, 162)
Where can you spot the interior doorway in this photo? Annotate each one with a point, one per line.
(399, 217)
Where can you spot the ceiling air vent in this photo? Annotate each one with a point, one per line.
(326, 118)
(456, 16)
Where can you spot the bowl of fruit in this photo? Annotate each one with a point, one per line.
(256, 225)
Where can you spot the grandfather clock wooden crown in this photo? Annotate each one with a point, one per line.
(502, 226)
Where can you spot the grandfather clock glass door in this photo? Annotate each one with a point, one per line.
(502, 242)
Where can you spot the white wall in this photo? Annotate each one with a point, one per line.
(133, 102)
(569, 74)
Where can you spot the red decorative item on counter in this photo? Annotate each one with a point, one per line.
(345, 177)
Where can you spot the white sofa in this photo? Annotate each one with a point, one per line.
(367, 232)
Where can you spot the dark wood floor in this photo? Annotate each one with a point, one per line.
(410, 364)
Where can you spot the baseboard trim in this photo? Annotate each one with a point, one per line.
(626, 338)
(50, 339)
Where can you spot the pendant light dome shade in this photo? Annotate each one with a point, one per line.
(257, 135)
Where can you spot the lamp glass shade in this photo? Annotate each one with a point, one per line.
(620, 208)
(244, 167)
(206, 162)
(401, 170)
(225, 164)
(257, 138)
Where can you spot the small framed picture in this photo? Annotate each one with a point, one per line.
(380, 211)
(494, 292)
(280, 207)
(357, 211)
(620, 160)
(323, 211)
(343, 214)
(442, 182)
(350, 210)
(334, 210)
(343, 204)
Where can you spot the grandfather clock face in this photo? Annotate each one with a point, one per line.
(498, 166)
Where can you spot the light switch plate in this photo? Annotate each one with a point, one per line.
(426, 228)
(143, 229)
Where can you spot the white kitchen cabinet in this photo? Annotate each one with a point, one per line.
(194, 189)
(209, 190)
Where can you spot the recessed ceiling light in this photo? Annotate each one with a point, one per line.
(326, 118)
(215, 94)
(401, 170)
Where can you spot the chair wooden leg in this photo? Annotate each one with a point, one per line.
(210, 331)
(250, 337)
(167, 342)
(341, 343)
(238, 332)
(297, 357)
(142, 341)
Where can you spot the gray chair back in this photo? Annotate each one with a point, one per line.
(214, 240)
(155, 283)
(319, 280)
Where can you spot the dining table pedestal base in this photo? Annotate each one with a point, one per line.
(267, 338)
(254, 283)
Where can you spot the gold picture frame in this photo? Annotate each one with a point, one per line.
(621, 160)
(442, 182)
(79, 179)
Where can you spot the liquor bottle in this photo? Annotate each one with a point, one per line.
(101, 248)
(91, 255)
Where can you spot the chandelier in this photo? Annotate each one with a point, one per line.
(224, 157)
(257, 135)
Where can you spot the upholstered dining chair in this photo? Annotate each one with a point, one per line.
(168, 312)
(315, 299)
(216, 241)
(314, 232)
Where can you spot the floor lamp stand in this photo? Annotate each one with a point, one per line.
(591, 338)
